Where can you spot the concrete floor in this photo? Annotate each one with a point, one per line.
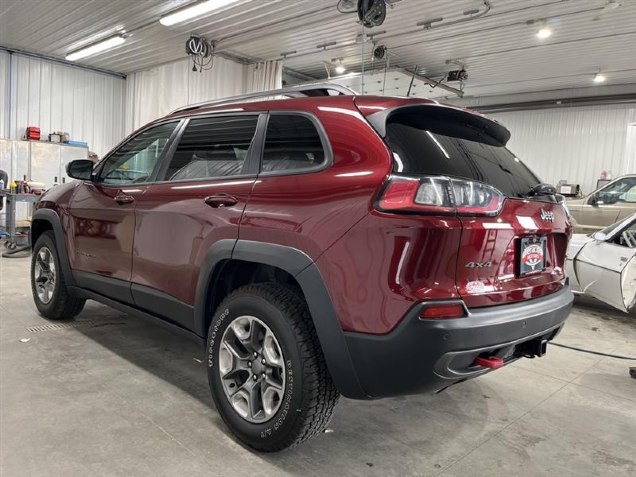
(109, 395)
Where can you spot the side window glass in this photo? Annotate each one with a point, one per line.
(620, 191)
(629, 196)
(627, 238)
(135, 161)
(292, 142)
(212, 147)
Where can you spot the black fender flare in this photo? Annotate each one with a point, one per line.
(51, 217)
(306, 272)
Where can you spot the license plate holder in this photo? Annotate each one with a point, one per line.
(532, 254)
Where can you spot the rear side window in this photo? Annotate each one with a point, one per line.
(212, 147)
(437, 149)
(292, 143)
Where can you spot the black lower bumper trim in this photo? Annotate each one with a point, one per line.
(429, 355)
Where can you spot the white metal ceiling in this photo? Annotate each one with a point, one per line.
(501, 52)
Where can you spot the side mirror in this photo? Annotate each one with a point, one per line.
(80, 169)
(593, 200)
(599, 236)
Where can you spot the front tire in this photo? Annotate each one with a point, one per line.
(48, 282)
(266, 370)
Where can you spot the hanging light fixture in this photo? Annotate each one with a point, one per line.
(544, 32)
(340, 68)
(600, 77)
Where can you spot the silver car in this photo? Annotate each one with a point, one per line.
(607, 205)
(603, 265)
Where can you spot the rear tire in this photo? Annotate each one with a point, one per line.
(262, 343)
(48, 282)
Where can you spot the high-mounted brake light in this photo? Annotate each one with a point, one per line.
(440, 195)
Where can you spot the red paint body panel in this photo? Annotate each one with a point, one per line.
(100, 233)
(175, 228)
(388, 262)
(496, 240)
(311, 211)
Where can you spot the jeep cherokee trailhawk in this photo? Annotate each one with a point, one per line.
(321, 243)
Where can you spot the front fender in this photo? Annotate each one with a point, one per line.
(49, 219)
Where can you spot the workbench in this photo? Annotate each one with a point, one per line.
(10, 207)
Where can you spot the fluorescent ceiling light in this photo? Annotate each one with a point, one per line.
(544, 32)
(104, 45)
(599, 78)
(193, 11)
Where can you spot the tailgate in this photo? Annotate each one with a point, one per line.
(518, 255)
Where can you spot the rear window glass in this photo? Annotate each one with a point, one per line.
(431, 151)
(292, 142)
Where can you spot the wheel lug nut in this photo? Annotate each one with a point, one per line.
(249, 364)
(263, 375)
(263, 361)
(255, 377)
(255, 354)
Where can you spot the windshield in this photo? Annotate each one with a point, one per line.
(433, 150)
(611, 228)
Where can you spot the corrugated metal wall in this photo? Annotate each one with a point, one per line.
(4, 94)
(575, 144)
(155, 92)
(54, 97)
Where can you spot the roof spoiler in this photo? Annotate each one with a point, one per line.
(465, 124)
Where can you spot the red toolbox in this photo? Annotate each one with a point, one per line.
(33, 133)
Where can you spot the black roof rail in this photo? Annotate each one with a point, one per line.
(314, 89)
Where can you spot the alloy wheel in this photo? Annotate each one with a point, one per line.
(44, 275)
(252, 369)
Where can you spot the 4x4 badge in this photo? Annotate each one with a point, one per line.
(479, 265)
(547, 215)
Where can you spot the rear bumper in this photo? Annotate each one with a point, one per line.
(429, 355)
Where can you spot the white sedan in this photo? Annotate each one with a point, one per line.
(603, 265)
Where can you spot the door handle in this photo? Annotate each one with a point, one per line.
(122, 198)
(221, 200)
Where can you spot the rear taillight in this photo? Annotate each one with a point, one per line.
(439, 195)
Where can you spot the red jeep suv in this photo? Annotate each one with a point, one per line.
(318, 243)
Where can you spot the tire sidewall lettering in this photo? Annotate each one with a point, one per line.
(285, 407)
(276, 424)
(215, 333)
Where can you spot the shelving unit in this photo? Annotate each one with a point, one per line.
(39, 161)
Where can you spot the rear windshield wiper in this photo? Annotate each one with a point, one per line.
(540, 190)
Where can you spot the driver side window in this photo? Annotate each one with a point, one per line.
(620, 191)
(135, 161)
